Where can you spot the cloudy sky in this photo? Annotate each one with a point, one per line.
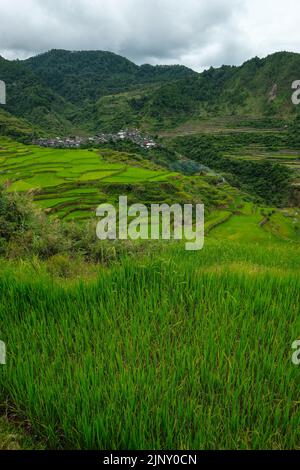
(197, 33)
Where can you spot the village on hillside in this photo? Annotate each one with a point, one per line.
(134, 135)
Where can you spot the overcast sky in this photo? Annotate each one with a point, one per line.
(197, 33)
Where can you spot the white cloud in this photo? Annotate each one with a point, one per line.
(198, 33)
(271, 26)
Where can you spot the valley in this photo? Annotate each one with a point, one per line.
(126, 344)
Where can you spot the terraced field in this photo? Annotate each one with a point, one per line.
(289, 158)
(68, 183)
(245, 222)
(72, 183)
(242, 138)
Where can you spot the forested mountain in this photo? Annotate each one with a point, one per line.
(16, 127)
(260, 88)
(29, 98)
(89, 75)
(62, 91)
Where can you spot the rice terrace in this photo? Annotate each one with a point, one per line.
(66, 179)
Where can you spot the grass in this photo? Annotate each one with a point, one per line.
(179, 350)
(14, 437)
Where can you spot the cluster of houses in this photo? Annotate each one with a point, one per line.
(134, 135)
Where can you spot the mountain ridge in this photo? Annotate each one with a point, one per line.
(88, 75)
(90, 91)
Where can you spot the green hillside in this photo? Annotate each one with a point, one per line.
(85, 76)
(72, 183)
(16, 127)
(89, 91)
(29, 98)
(258, 92)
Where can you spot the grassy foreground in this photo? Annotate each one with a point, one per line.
(177, 350)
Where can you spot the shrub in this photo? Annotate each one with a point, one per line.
(60, 266)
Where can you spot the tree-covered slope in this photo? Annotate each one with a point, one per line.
(15, 127)
(88, 75)
(29, 98)
(260, 88)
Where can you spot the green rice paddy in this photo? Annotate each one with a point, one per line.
(164, 350)
(52, 174)
(172, 351)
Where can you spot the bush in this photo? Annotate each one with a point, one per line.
(27, 232)
(60, 266)
(16, 215)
